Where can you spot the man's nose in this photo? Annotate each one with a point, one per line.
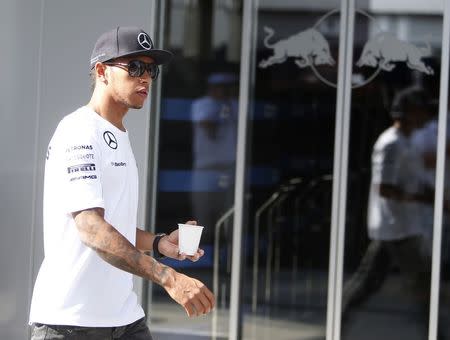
(145, 78)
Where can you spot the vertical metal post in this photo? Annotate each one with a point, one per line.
(340, 169)
(246, 85)
(157, 15)
(346, 112)
(440, 169)
(36, 159)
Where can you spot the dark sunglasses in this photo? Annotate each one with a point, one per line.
(136, 68)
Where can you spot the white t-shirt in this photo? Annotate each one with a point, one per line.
(89, 164)
(425, 141)
(221, 149)
(395, 162)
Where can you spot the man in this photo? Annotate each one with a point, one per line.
(396, 207)
(214, 118)
(92, 246)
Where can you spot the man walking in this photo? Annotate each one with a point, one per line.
(395, 210)
(92, 244)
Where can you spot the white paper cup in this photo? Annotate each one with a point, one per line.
(189, 238)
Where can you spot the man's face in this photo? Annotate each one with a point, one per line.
(418, 117)
(129, 91)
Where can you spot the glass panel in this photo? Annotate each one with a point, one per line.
(390, 192)
(197, 151)
(290, 170)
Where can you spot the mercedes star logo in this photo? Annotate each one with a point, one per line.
(110, 139)
(145, 41)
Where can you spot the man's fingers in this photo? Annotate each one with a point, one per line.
(200, 252)
(198, 306)
(189, 309)
(197, 256)
(191, 222)
(182, 256)
(193, 258)
(207, 306)
(210, 296)
(192, 295)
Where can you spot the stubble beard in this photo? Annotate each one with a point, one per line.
(135, 106)
(129, 104)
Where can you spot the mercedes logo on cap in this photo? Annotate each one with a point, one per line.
(110, 139)
(145, 41)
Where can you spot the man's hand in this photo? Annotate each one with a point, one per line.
(115, 249)
(168, 246)
(190, 293)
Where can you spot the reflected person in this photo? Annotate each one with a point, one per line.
(214, 119)
(425, 142)
(396, 208)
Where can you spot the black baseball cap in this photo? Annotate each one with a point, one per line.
(127, 41)
(414, 97)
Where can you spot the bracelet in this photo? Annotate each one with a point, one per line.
(156, 253)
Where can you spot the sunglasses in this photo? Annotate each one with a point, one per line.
(136, 68)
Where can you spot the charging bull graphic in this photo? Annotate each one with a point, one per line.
(384, 50)
(308, 47)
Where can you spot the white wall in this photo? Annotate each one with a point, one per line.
(18, 71)
(44, 70)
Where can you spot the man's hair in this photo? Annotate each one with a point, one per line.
(409, 99)
(93, 77)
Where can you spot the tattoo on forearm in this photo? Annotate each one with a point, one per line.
(115, 249)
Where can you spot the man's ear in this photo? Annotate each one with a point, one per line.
(101, 72)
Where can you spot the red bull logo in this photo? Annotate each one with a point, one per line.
(310, 48)
(307, 48)
(385, 50)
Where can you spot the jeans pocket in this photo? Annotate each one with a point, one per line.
(39, 332)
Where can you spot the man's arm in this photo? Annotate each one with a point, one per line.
(115, 249)
(144, 240)
(395, 193)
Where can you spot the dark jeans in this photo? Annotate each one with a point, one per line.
(138, 330)
(375, 266)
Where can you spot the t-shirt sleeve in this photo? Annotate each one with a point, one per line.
(385, 165)
(80, 167)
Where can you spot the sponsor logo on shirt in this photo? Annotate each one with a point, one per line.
(81, 167)
(83, 177)
(118, 164)
(110, 139)
(79, 147)
(83, 157)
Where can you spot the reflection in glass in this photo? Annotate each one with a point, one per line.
(214, 120)
(399, 209)
(387, 269)
(197, 151)
(291, 144)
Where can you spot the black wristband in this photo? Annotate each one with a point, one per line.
(156, 253)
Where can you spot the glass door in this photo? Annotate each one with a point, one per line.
(289, 169)
(390, 177)
(197, 152)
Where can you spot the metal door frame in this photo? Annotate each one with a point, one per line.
(340, 168)
(440, 171)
